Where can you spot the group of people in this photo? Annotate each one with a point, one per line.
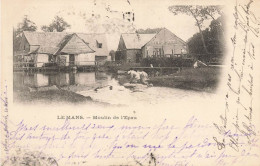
(138, 77)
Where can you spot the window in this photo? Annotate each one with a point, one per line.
(99, 45)
(158, 52)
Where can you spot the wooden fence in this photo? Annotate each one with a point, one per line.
(43, 66)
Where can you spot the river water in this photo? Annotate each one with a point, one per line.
(106, 88)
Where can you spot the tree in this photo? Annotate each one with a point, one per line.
(57, 25)
(200, 14)
(46, 28)
(25, 25)
(149, 30)
(214, 41)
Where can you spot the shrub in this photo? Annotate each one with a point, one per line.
(167, 62)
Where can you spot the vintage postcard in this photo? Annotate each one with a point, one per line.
(130, 82)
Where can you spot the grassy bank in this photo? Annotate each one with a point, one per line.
(200, 79)
(51, 96)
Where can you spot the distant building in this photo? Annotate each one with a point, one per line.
(134, 47)
(130, 47)
(165, 44)
(66, 49)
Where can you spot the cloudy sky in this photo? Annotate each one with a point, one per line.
(88, 16)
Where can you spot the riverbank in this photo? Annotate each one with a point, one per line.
(67, 87)
(199, 79)
(50, 96)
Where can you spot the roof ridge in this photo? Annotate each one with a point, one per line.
(175, 35)
(63, 42)
(67, 32)
(44, 32)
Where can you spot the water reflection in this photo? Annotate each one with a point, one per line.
(85, 78)
(98, 87)
(36, 80)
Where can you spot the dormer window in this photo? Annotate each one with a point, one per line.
(99, 45)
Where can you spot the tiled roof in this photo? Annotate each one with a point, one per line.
(93, 40)
(53, 42)
(136, 41)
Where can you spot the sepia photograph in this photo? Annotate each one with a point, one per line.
(110, 54)
(130, 83)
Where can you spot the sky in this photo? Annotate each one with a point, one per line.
(87, 16)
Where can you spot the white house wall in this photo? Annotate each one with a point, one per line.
(85, 59)
(41, 59)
